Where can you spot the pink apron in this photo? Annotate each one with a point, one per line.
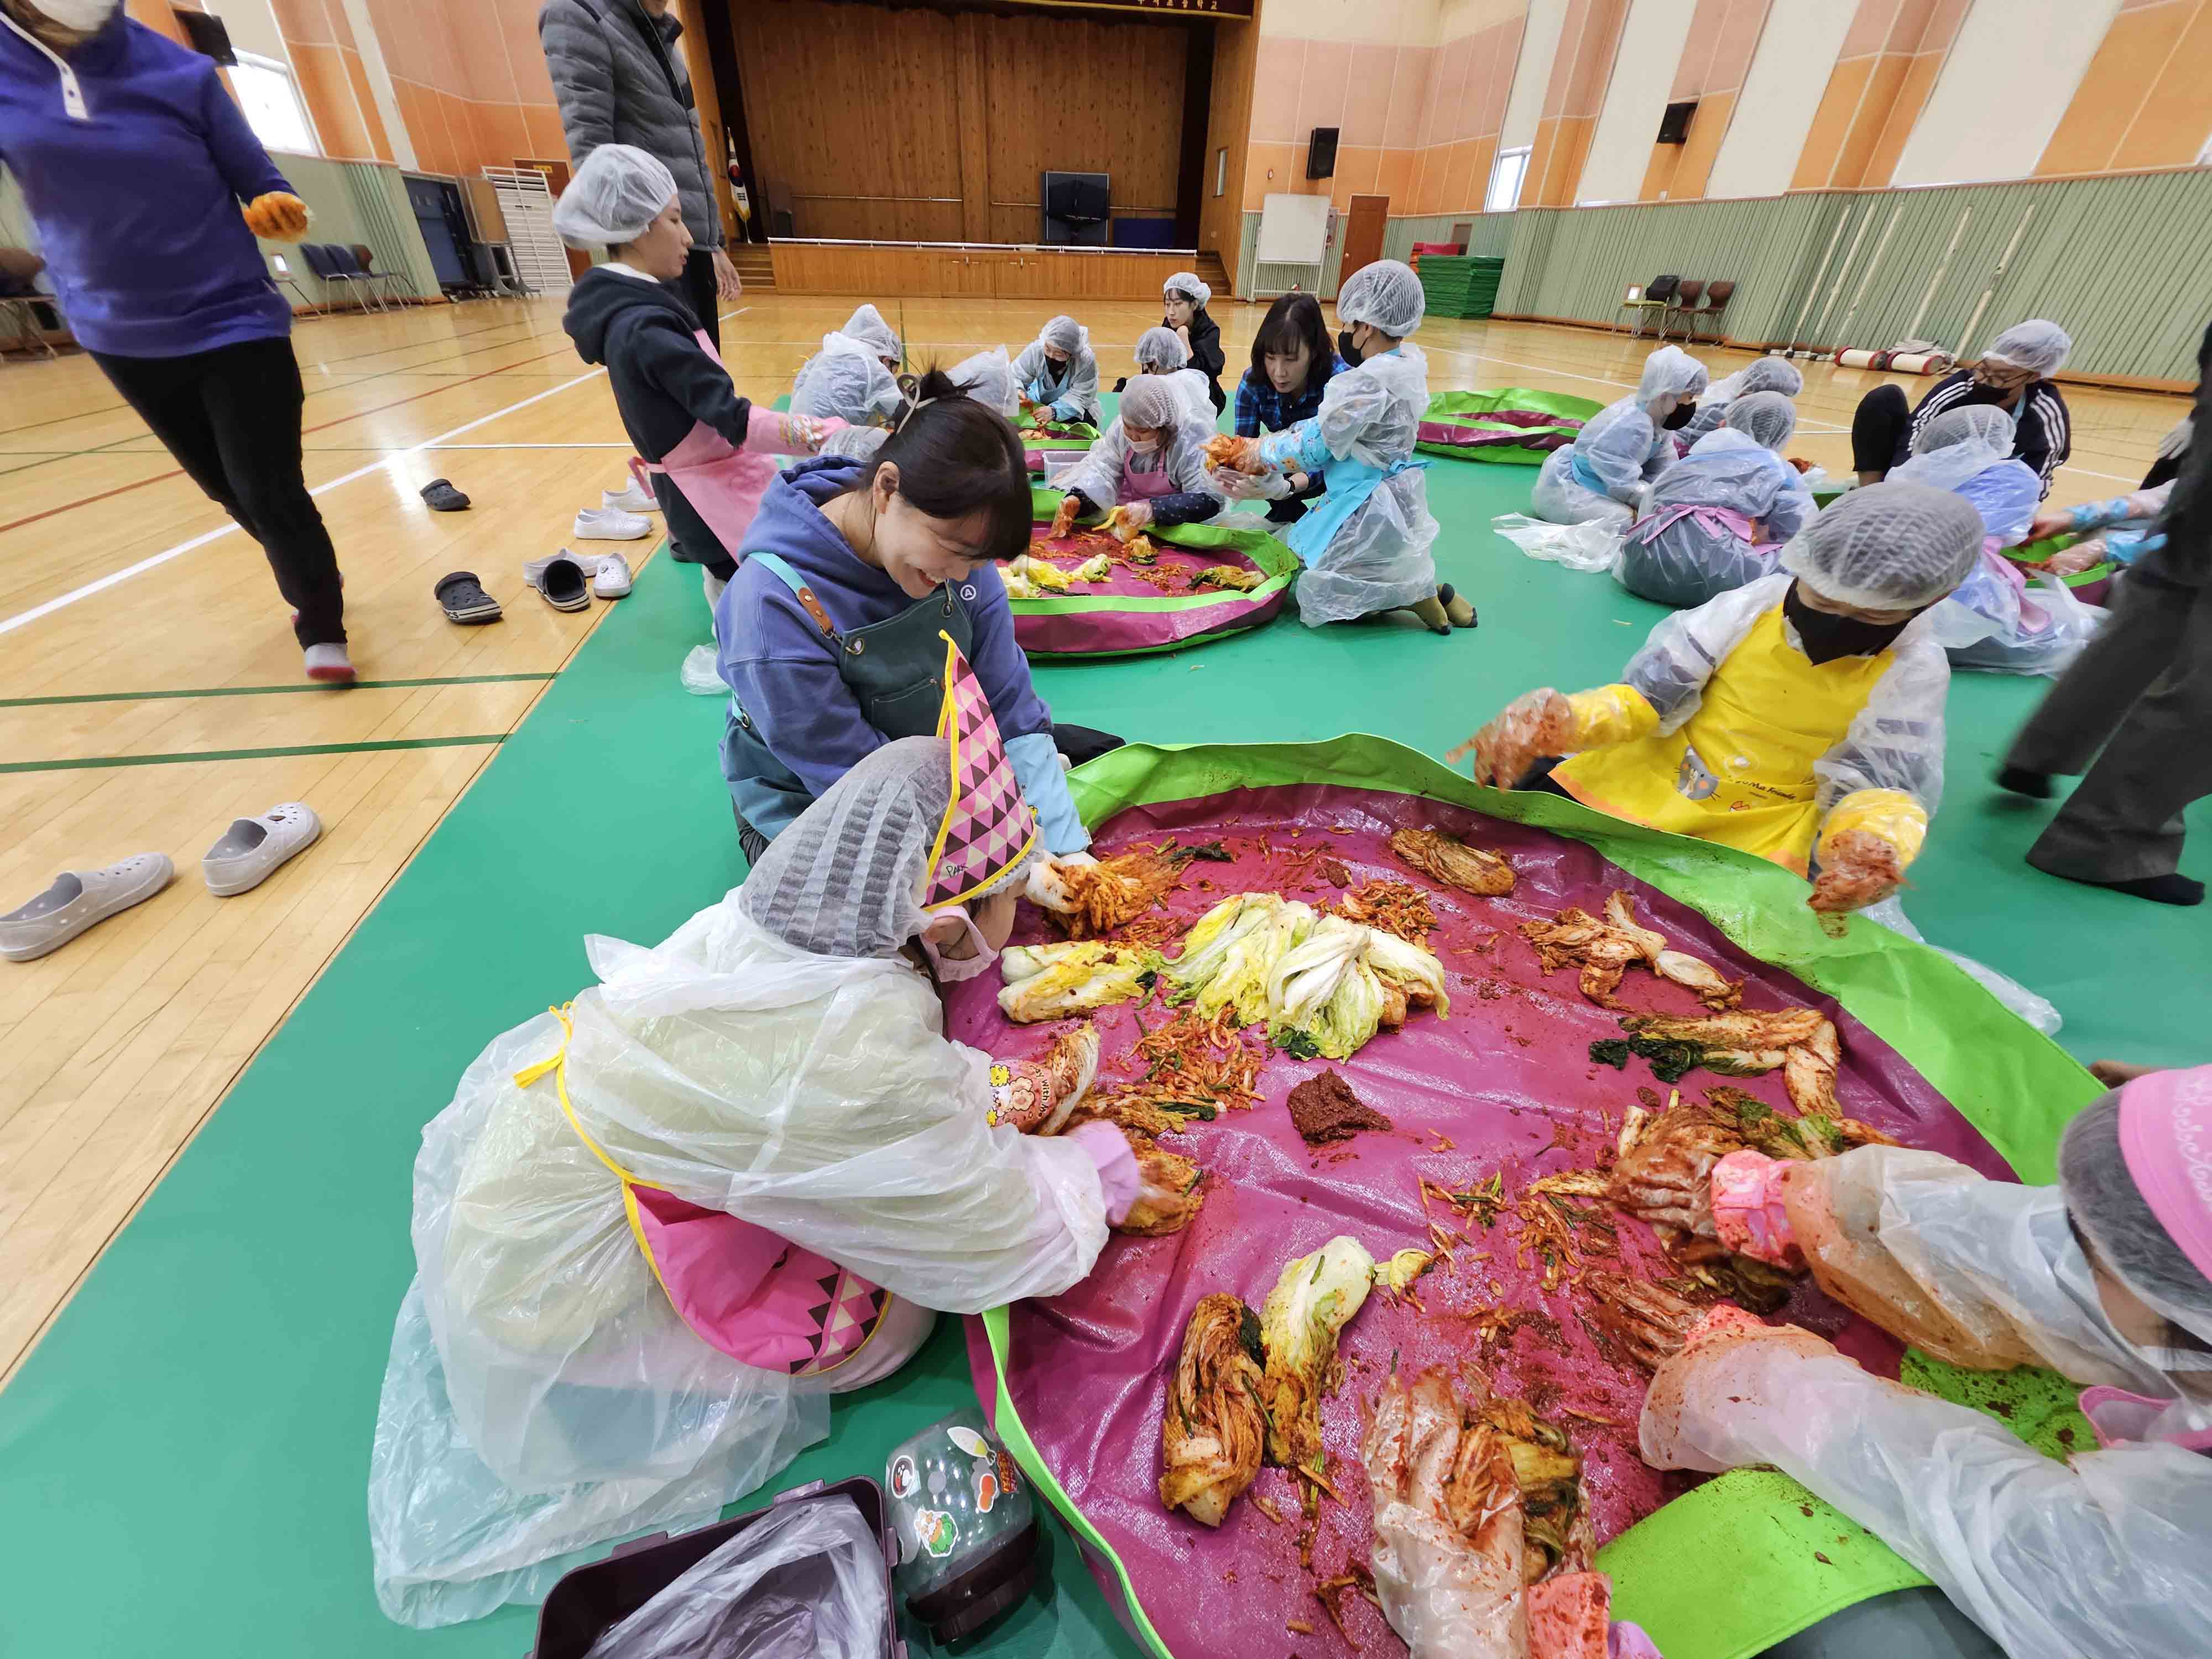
(757, 1297)
(2119, 1417)
(723, 483)
(1713, 518)
(1137, 486)
(2033, 618)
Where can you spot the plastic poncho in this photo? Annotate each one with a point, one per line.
(1381, 558)
(1070, 390)
(867, 325)
(1777, 374)
(2103, 1555)
(1895, 742)
(1685, 558)
(846, 378)
(543, 1395)
(988, 378)
(1601, 474)
(1098, 474)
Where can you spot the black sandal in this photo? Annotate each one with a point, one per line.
(442, 497)
(463, 600)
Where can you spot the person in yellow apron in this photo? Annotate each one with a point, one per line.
(1799, 718)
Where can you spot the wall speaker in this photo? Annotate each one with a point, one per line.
(1321, 154)
(1675, 124)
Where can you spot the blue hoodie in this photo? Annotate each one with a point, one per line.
(783, 672)
(136, 193)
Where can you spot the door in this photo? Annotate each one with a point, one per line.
(1363, 233)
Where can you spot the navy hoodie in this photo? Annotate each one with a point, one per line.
(663, 382)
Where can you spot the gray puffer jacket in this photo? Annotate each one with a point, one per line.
(621, 80)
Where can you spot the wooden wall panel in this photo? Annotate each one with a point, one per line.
(1236, 62)
(855, 101)
(1007, 274)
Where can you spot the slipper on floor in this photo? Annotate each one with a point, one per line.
(251, 849)
(463, 600)
(442, 497)
(561, 583)
(77, 899)
(612, 580)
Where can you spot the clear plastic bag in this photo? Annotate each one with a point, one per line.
(2051, 649)
(807, 1582)
(1593, 545)
(701, 678)
(2037, 1010)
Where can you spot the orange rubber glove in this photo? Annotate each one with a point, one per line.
(279, 215)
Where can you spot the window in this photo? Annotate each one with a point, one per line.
(1221, 171)
(272, 103)
(1505, 180)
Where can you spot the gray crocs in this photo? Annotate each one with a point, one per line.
(78, 899)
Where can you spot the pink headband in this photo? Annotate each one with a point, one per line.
(2166, 1136)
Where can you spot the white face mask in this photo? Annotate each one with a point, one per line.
(950, 970)
(86, 16)
(1143, 445)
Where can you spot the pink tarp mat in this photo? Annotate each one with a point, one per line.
(1503, 1085)
(1155, 607)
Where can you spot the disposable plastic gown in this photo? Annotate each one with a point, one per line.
(988, 378)
(1690, 560)
(1895, 742)
(1767, 374)
(1383, 556)
(1069, 389)
(2104, 1555)
(1098, 475)
(1622, 448)
(543, 1395)
(846, 378)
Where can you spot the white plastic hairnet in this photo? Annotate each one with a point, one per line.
(1186, 283)
(858, 442)
(1150, 401)
(2037, 344)
(1064, 333)
(868, 327)
(1767, 374)
(1686, 558)
(1894, 742)
(1385, 295)
(1602, 473)
(847, 377)
(988, 378)
(1767, 416)
(1160, 352)
(1890, 546)
(617, 193)
(1670, 369)
(2102, 1197)
(1973, 426)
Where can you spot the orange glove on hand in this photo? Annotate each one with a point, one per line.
(1242, 454)
(279, 215)
(1063, 517)
(1535, 724)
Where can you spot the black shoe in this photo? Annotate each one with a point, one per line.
(2036, 786)
(463, 600)
(564, 586)
(2172, 888)
(442, 497)
(1460, 611)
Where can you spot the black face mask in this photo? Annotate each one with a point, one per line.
(1680, 417)
(1347, 351)
(1826, 636)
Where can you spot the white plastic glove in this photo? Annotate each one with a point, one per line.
(1243, 487)
(1447, 1541)
(2176, 442)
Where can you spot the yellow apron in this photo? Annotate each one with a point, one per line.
(1740, 770)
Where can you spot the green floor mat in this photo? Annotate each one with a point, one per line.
(183, 1461)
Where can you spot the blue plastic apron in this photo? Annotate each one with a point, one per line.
(1349, 484)
(1588, 479)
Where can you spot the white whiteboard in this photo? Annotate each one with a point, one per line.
(1293, 230)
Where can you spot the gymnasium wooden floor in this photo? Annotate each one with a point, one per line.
(150, 690)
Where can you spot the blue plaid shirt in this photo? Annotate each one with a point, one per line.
(1260, 408)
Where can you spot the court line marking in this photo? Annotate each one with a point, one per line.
(25, 617)
(479, 740)
(268, 691)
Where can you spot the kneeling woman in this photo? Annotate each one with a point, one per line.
(1717, 516)
(1366, 544)
(1293, 360)
(833, 632)
(1799, 718)
(1057, 374)
(744, 1171)
(1150, 464)
(1622, 448)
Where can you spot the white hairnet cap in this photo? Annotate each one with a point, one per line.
(860, 443)
(2104, 1200)
(1065, 334)
(844, 880)
(1159, 351)
(988, 378)
(1770, 375)
(1150, 400)
(2037, 344)
(1386, 294)
(868, 327)
(613, 197)
(1767, 416)
(843, 379)
(1984, 426)
(1186, 283)
(1889, 547)
(1670, 370)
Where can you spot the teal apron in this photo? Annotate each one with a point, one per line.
(1349, 482)
(896, 669)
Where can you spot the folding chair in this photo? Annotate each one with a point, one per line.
(1716, 299)
(345, 268)
(1646, 302)
(20, 310)
(364, 256)
(1685, 303)
(283, 277)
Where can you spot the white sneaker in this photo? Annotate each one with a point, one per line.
(534, 572)
(612, 580)
(635, 499)
(600, 524)
(329, 664)
(251, 849)
(77, 899)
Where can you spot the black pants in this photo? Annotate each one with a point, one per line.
(231, 418)
(1878, 428)
(698, 289)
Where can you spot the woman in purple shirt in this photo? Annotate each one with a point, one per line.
(148, 188)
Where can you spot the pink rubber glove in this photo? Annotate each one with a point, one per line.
(1746, 1189)
(773, 432)
(1118, 1173)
